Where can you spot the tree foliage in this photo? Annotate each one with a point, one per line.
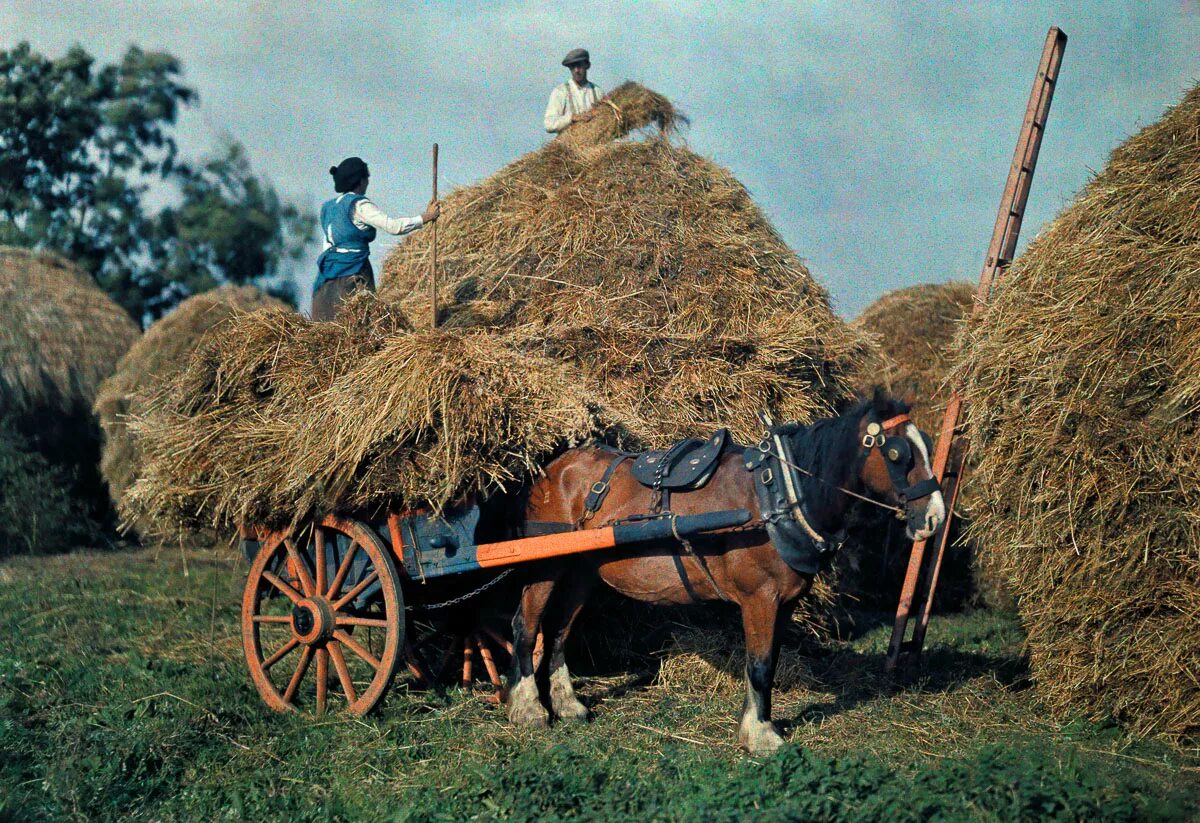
(84, 151)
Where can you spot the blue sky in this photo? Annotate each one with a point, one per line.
(875, 135)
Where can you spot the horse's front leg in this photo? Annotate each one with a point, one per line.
(573, 593)
(760, 620)
(524, 703)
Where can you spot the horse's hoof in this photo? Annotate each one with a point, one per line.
(760, 738)
(524, 707)
(535, 717)
(562, 697)
(572, 712)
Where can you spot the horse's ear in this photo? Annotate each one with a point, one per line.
(910, 394)
(880, 400)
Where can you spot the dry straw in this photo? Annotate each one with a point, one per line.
(626, 288)
(160, 354)
(914, 330)
(648, 270)
(60, 337)
(1082, 384)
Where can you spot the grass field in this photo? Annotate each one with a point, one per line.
(123, 695)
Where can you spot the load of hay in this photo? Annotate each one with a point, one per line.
(60, 337)
(161, 353)
(278, 418)
(1082, 382)
(648, 270)
(626, 289)
(913, 329)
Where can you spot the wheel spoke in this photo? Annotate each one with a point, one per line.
(306, 581)
(305, 657)
(282, 653)
(343, 570)
(292, 594)
(322, 679)
(343, 673)
(357, 590)
(319, 540)
(354, 646)
(272, 618)
(347, 620)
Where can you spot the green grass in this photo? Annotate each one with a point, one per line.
(123, 695)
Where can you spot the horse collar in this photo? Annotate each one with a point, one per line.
(781, 500)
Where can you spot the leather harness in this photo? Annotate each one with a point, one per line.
(689, 464)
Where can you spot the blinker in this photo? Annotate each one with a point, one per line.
(897, 449)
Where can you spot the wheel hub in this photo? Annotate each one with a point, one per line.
(312, 620)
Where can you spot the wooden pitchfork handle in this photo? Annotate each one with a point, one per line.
(433, 300)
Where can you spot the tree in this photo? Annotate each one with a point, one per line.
(81, 146)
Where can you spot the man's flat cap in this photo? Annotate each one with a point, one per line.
(576, 56)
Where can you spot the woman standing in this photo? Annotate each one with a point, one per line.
(348, 225)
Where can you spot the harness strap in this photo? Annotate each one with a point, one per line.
(687, 545)
(599, 490)
(791, 487)
(922, 488)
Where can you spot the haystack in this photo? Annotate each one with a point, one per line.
(154, 359)
(60, 337)
(646, 268)
(1082, 383)
(913, 329)
(626, 289)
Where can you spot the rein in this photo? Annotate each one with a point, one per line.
(873, 438)
(894, 509)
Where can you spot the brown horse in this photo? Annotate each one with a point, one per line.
(870, 450)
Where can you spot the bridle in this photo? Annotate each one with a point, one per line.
(897, 456)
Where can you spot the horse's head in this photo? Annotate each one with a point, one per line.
(896, 464)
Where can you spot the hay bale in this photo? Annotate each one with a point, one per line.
(60, 338)
(914, 330)
(160, 353)
(1082, 380)
(650, 271)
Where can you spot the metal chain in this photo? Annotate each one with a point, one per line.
(454, 601)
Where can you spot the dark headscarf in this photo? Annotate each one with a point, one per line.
(348, 174)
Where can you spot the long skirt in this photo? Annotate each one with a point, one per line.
(331, 294)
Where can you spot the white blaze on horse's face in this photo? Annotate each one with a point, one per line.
(935, 507)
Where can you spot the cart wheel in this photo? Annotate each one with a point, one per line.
(327, 594)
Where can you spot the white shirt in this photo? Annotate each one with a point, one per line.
(367, 213)
(567, 100)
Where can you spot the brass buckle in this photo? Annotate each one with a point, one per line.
(599, 487)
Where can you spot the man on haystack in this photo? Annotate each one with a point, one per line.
(572, 101)
(348, 224)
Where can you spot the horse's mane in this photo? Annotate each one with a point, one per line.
(830, 448)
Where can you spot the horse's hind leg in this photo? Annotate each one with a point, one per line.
(760, 620)
(524, 704)
(568, 603)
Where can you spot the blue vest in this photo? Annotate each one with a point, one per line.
(349, 246)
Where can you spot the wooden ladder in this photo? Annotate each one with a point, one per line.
(920, 581)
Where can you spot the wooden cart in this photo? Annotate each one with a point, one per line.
(332, 594)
